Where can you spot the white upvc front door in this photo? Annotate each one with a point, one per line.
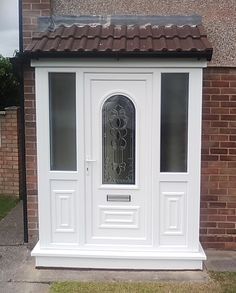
(118, 155)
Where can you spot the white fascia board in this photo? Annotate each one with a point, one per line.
(123, 62)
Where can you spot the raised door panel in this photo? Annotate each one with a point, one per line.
(173, 214)
(63, 212)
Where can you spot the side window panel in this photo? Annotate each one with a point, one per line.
(62, 112)
(174, 121)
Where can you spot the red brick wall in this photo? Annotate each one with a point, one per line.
(32, 9)
(218, 187)
(31, 154)
(9, 152)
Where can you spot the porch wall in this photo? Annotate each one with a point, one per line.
(218, 188)
(31, 154)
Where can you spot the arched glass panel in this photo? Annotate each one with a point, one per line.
(118, 134)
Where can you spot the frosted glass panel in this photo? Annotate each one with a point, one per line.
(174, 122)
(118, 131)
(62, 121)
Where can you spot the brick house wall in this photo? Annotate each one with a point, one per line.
(218, 186)
(32, 9)
(9, 152)
(218, 195)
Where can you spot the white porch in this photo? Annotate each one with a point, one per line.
(151, 220)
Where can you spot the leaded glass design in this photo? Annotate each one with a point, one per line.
(118, 134)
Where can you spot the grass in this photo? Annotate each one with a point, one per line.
(219, 283)
(120, 287)
(6, 204)
(227, 280)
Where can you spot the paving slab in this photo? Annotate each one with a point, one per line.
(221, 260)
(19, 267)
(16, 287)
(17, 270)
(11, 227)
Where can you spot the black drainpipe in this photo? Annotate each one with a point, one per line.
(22, 127)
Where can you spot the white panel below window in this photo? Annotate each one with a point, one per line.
(63, 194)
(173, 214)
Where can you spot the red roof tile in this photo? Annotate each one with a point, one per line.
(159, 40)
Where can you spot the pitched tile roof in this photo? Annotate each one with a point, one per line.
(122, 39)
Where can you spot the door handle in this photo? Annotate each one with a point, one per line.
(87, 168)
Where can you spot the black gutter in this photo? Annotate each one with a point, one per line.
(207, 54)
(22, 121)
